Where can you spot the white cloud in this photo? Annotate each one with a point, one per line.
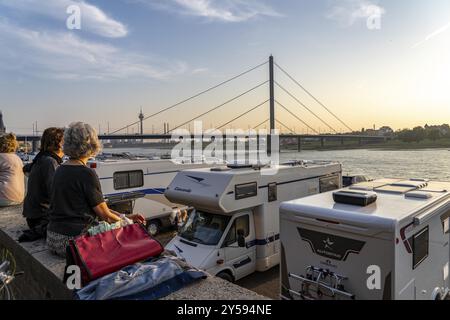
(199, 70)
(216, 10)
(93, 19)
(65, 55)
(432, 35)
(348, 12)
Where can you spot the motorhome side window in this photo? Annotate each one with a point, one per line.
(246, 190)
(420, 247)
(241, 223)
(329, 183)
(272, 192)
(128, 179)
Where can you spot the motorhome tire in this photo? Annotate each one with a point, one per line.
(153, 227)
(225, 276)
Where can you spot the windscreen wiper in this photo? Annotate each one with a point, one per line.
(201, 240)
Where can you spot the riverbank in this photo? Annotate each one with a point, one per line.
(425, 144)
(388, 145)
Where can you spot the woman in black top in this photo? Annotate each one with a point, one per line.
(77, 199)
(40, 179)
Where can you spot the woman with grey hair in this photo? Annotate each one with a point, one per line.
(77, 200)
(12, 180)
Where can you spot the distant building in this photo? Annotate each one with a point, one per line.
(386, 131)
(382, 132)
(2, 124)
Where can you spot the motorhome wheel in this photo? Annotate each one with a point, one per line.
(225, 276)
(437, 294)
(154, 227)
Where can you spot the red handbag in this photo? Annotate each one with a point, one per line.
(110, 251)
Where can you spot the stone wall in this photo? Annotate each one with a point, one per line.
(43, 272)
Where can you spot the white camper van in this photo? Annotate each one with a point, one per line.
(131, 185)
(384, 239)
(234, 228)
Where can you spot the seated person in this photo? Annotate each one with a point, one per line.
(77, 199)
(40, 179)
(12, 180)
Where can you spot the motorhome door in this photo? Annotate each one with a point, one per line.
(241, 259)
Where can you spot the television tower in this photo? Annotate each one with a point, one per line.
(141, 119)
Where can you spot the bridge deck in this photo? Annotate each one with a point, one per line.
(168, 136)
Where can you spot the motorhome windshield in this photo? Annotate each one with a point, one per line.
(204, 228)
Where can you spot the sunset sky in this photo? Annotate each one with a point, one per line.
(153, 53)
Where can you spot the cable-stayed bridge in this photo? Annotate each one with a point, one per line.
(272, 101)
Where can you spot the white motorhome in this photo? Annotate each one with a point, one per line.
(138, 185)
(234, 228)
(384, 239)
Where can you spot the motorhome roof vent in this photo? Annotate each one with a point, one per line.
(419, 195)
(294, 163)
(395, 189)
(237, 165)
(413, 183)
(362, 188)
(260, 166)
(220, 169)
(356, 198)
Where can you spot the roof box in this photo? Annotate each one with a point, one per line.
(355, 198)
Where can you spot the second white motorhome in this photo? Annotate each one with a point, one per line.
(234, 228)
(384, 239)
(138, 185)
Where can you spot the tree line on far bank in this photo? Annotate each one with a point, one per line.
(427, 132)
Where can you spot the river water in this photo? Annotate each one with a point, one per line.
(427, 163)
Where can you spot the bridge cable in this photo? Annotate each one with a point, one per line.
(312, 96)
(243, 114)
(296, 117)
(193, 97)
(259, 125)
(304, 106)
(285, 126)
(219, 106)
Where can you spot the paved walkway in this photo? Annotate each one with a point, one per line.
(264, 283)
